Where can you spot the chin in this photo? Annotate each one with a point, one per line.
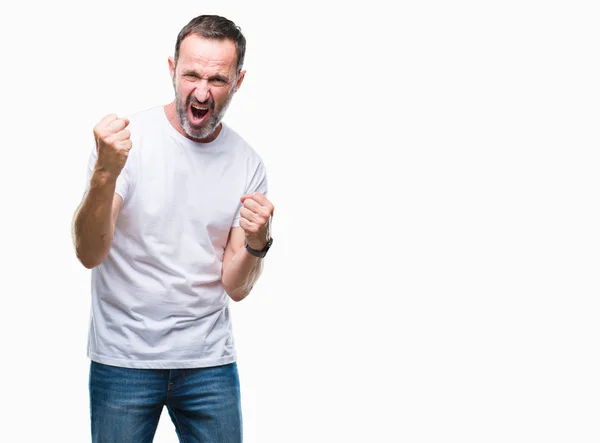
(199, 133)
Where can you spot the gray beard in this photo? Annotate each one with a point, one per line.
(207, 127)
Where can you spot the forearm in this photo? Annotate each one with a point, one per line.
(241, 273)
(93, 225)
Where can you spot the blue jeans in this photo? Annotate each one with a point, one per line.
(204, 403)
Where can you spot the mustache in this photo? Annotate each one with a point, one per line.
(193, 100)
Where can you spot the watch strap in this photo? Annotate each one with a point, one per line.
(256, 252)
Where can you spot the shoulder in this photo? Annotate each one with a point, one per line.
(241, 147)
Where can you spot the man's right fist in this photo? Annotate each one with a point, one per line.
(112, 144)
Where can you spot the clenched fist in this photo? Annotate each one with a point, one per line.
(112, 144)
(255, 219)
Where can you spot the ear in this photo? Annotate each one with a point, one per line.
(240, 80)
(172, 66)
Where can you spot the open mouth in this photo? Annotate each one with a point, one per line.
(198, 112)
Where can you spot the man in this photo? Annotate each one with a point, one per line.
(174, 222)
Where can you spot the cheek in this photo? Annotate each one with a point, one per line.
(184, 88)
(221, 96)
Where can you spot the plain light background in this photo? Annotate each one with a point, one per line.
(434, 167)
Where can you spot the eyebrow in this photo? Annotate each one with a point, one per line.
(212, 77)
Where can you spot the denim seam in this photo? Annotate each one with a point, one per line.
(179, 426)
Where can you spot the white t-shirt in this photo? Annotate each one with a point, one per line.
(157, 299)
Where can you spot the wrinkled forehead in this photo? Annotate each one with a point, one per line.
(198, 52)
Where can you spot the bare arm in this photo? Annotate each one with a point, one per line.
(94, 221)
(240, 268)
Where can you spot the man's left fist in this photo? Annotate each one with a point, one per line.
(256, 219)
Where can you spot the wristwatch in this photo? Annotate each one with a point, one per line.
(260, 253)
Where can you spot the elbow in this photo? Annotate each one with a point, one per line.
(237, 297)
(88, 255)
(89, 261)
(237, 294)
(88, 265)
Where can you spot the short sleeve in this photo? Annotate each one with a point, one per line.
(258, 183)
(123, 180)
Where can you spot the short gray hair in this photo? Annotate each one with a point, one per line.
(217, 28)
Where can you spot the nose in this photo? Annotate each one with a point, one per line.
(202, 92)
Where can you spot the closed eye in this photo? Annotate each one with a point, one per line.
(218, 81)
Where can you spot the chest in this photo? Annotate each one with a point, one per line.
(178, 193)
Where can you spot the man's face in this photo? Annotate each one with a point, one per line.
(204, 81)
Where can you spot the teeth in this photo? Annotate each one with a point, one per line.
(201, 108)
